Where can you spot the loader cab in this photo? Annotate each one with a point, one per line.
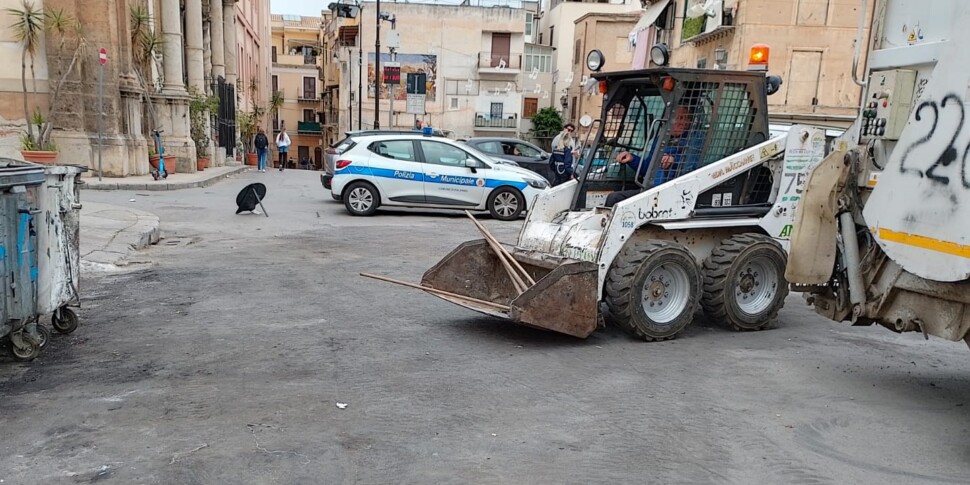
(696, 116)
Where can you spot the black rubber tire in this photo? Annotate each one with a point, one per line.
(45, 335)
(506, 190)
(375, 195)
(67, 323)
(722, 271)
(624, 288)
(27, 354)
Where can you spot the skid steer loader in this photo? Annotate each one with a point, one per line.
(705, 223)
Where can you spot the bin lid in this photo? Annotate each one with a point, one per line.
(16, 172)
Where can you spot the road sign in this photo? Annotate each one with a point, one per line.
(417, 83)
(103, 56)
(392, 73)
(415, 104)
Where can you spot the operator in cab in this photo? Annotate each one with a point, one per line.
(680, 156)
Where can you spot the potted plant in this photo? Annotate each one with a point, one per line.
(250, 122)
(153, 156)
(29, 26)
(200, 107)
(247, 130)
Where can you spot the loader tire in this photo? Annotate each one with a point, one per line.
(744, 282)
(644, 278)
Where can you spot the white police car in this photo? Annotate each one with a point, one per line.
(412, 170)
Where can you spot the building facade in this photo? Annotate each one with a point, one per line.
(159, 51)
(811, 47)
(558, 29)
(482, 75)
(296, 75)
(610, 34)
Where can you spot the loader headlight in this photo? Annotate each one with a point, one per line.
(537, 183)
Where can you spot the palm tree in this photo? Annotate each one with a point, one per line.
(28, 29)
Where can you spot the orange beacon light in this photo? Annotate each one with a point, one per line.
(758, 60)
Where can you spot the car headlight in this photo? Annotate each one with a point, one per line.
(537, 183)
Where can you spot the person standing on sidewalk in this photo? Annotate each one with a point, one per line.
(262, 146)
(283, 145)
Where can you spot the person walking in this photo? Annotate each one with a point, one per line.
(563, 152)
(262, 146)
(283, 145)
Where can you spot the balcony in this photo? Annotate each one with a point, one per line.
(499, 63)
(308, 127)
(310, 97)
(295, 60)
(706, 26)
(330, 117)
(487, 121)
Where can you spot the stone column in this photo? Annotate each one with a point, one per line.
(218, 39)
(172, 53)
(193, 45)
(229, 31)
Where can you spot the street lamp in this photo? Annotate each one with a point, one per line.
(343, 10)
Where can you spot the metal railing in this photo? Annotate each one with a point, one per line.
(503, 60)
(307, 127)
(508, 121)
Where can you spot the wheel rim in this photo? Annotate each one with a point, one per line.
(361, 199)
(28, 352)
(506, 204)
(756, 286)
(666, 292)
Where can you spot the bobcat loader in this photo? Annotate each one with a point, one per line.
(708, 230)
(883, 233)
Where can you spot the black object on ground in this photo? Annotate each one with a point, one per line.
(251, 196)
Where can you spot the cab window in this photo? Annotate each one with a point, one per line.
(394, 149)
(443, 154)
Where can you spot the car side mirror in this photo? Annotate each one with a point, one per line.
(472, 164)
(542, 156)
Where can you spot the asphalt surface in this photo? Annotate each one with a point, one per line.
(228, 361)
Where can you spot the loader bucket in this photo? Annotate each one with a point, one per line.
(562, 300)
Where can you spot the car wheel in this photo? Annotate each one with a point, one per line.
(361, 199)
(506, 204)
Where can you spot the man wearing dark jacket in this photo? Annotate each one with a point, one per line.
(680, 156)
(262, 145)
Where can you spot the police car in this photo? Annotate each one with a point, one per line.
(413, 170)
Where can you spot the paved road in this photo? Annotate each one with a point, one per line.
(224, 363)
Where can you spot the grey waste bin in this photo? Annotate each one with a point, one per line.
(19, 189)
(58, 243)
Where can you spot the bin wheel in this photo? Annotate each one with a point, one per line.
(26, 353)
(67, 322)
(45, 335)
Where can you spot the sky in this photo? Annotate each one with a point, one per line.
(309, 8)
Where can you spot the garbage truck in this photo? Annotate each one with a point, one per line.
(882, 235)
(683, 201)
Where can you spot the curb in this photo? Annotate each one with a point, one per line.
(164, 185)
(114, 251)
